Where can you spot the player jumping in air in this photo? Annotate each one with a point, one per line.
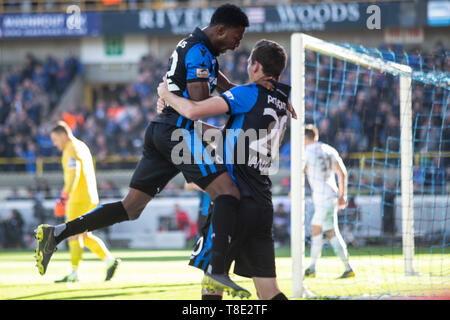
(193, 72)
(78, 196)
(322, 162)
(252, 108)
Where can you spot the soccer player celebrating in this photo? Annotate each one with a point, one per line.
(192, 73)
(78, 196)
(322, 163)
(252, 108)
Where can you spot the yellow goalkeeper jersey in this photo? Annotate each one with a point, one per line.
(79, 174)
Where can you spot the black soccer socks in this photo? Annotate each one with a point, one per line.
(102, 216)
(223, 223)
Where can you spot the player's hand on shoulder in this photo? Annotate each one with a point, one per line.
(266, 82)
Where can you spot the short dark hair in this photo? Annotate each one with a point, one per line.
(271, 56)
(311, 132)
(61, 127)
(230, 16)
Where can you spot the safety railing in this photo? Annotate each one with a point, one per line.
(40, 165)
(41, 6)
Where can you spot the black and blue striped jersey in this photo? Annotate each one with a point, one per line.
(204, 203)
(194, 59)
(257, 123)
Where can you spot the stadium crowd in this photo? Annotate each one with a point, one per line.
(28, 94)
(115, 127)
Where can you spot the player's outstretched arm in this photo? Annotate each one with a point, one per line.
(193, 110)
(224, 84)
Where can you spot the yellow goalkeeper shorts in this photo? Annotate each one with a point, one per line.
(76, 209)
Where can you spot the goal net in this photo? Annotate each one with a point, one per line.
(385, 112)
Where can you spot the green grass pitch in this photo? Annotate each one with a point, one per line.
(165, 275)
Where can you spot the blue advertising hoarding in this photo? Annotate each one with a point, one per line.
(43, 25)
(302, 17)
(270, 18)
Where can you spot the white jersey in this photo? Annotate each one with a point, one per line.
(320, 159)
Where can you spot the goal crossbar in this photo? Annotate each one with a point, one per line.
(299, 43)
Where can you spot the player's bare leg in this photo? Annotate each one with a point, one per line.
(135, 202)
(268, 289)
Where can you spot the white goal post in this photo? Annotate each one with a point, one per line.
(299, 43)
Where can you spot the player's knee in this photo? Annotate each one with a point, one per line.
(133, 210)
(330, 234)
(316, 230)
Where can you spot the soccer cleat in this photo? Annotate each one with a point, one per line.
(222, 282)
(68, 278)
(112, 269)
(45, 247)
(347, 274)
(310, 273)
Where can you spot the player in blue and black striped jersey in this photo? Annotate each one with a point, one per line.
(249, 146)
(204, 204)
(193, 73)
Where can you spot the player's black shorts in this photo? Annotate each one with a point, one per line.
(161, 147)
(252, 245)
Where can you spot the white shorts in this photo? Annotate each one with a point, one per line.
(325, 214)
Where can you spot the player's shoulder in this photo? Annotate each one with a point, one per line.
(311, 149)
(198, 51)
(317, 148)
(248, 87)
(244, 92)
(79, 147)
(329, 149)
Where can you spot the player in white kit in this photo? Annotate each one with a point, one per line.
(321, 165)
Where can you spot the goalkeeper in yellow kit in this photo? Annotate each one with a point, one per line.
(79, 196)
